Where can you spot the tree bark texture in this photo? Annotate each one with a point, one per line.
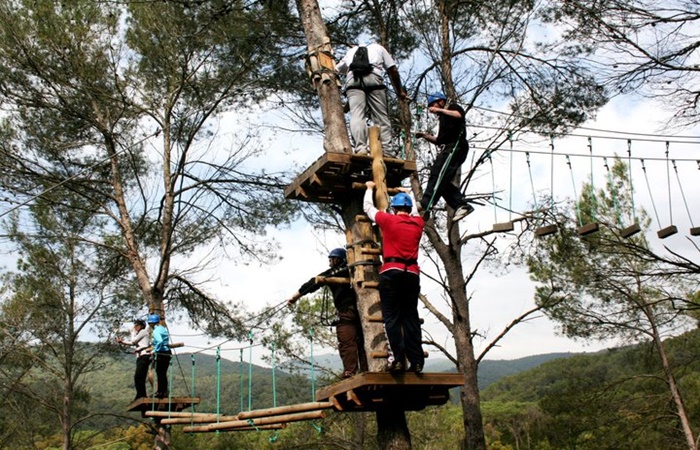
(321, 67)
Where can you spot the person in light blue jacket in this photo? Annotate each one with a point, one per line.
(160, 340)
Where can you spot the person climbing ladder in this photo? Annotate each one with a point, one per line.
(453, 145)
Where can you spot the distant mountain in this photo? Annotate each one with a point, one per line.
(490, 370)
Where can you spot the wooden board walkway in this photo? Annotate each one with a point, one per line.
(408, 391)
(174, 404)
(330, 178)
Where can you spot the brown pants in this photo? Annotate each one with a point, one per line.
(351, 345)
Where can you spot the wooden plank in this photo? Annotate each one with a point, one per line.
(588, 229)
(335, 402)
(285, 418)
(186, 421)
(175, 404)
(204, 429)
(630, 230)
(370, 284)
(666, 232)
(503, 227)
(299, 407)
(353, 397)
(695, 231)
(546, 230)
(177, 414)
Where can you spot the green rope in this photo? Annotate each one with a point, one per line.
(313, 375)
(240, 378)
(436, 188)
(218, 383)
(274, 379)
(170, 386)
(250, 372)
(576, 200)
(251, 422)
(192, 393)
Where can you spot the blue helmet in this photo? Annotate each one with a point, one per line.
(401, 200)
(153, 318)
(435, 96)
(339, 253)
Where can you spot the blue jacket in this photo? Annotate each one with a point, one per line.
(160, 339)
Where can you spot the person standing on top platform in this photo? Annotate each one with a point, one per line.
(399, 277)
(453, 149)
(366, 92)
(160, 340)
(349, 329)
(139, 339)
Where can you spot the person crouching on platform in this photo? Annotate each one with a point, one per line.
(399, 277)
(349, 329)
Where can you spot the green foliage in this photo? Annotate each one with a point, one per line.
(612, 399)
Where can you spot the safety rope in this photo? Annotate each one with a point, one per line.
(493, 190)
(436, 188)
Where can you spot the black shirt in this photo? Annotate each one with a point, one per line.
(452, 130)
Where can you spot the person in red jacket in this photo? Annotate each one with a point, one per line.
(399, 277)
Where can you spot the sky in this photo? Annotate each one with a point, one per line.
(499, 294)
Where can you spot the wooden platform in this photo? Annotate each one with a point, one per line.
(175, 404)
(408, 391)
(329, 179)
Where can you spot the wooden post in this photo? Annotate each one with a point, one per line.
(324, 78)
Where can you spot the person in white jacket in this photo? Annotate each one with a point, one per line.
(140, 340)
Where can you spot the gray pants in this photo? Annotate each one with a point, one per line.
(368, 101)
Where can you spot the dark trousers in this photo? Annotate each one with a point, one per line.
(398, 291)
(351, 344)
(142, 363)
(447, 189)
(162, 362)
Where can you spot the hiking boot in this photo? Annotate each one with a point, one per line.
(417, 368)
(362, 151)
(462, 212)
(396, 367)
(348, 374)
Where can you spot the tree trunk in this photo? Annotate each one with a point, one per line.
(321, 67)
(672, 384)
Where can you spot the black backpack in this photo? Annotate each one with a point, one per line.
(360, 65)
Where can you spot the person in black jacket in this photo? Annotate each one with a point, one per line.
(349, 328)
(452, 142)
